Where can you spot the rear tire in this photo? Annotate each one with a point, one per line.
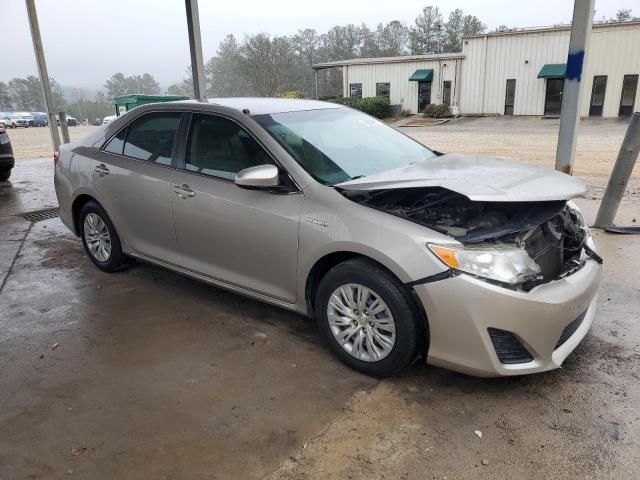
(100, 239)
(379, 331)
(5, 173)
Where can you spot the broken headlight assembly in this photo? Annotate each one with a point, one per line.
(500, 263)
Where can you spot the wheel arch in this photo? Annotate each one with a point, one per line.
(76, 207)
(325, 263)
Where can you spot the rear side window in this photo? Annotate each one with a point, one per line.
(116, 144)
(148, 138)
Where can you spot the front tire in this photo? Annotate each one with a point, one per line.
(369, 318)
(100, 239)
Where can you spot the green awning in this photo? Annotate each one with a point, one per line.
(421, 76)
(553, 70)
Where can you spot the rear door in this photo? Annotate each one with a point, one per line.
(133, 174)
(247, 238)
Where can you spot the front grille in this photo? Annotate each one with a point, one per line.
(508, 348)
(570, 330)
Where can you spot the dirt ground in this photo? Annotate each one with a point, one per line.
(35, 142)
(148, 375)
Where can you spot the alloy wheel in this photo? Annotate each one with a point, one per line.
(361, 322)
(97, 238)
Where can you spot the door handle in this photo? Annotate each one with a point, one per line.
(101, 170)
(183, 191)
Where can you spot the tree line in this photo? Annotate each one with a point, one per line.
(265, 65)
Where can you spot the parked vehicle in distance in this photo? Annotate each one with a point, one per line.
(71, 121)
(479, 265)
(15, 121)
(108, 119)
(7, 161)
(27, 116)
(40, 119)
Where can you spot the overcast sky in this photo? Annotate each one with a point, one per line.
(86, 41)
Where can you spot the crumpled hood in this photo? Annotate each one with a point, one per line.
(478, 178)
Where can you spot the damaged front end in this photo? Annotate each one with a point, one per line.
(515, 244)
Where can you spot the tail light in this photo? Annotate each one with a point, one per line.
(56, 157)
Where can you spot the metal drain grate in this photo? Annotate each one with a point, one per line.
(40, 215)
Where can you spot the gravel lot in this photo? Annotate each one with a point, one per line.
(149, 375)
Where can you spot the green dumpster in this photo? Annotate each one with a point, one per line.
(128, 102)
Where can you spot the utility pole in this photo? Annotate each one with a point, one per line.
(44, 74)
(195, 48)
(570, 114)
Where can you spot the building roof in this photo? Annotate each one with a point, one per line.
(401, 59)
(552, 28)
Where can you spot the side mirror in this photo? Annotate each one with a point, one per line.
(260, 176)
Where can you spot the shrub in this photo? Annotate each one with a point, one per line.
(348, 101)
(437, 111)
(378, 107)
(375, 106)
(293, 94)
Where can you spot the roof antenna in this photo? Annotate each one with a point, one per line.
(246, 111)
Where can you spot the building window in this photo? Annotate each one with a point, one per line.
(446, 92)
(355, 90)
(510, 96)
(628, 96)
(383, 90)
(597, 95)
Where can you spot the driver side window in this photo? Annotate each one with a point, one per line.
(221, 148)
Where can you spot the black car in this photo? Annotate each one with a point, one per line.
(6, 155)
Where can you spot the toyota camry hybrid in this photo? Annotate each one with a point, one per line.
(401, 253)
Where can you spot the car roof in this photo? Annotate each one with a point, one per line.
(267, 105)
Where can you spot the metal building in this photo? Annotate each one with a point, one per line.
(410, 81)
(519, 72)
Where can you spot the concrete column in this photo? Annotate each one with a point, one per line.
(44, 74)
(570, 116)
(620, 175)
(64, 127)
(195, 49)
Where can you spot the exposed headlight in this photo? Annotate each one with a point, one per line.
(578, 213)
(506, 264)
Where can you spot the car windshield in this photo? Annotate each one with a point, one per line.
(339, 144)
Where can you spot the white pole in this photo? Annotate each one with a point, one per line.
(44, 74)
(195, 48)
(570, 114)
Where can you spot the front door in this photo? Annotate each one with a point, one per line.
(597, 95)
(424, 95)
(510, 96)
(628, 96)
(446, 92)
(246, 238)
(132, 175)
(553, 97)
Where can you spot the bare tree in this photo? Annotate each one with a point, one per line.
(266, 62)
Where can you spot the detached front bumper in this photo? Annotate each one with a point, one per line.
(462, 309)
